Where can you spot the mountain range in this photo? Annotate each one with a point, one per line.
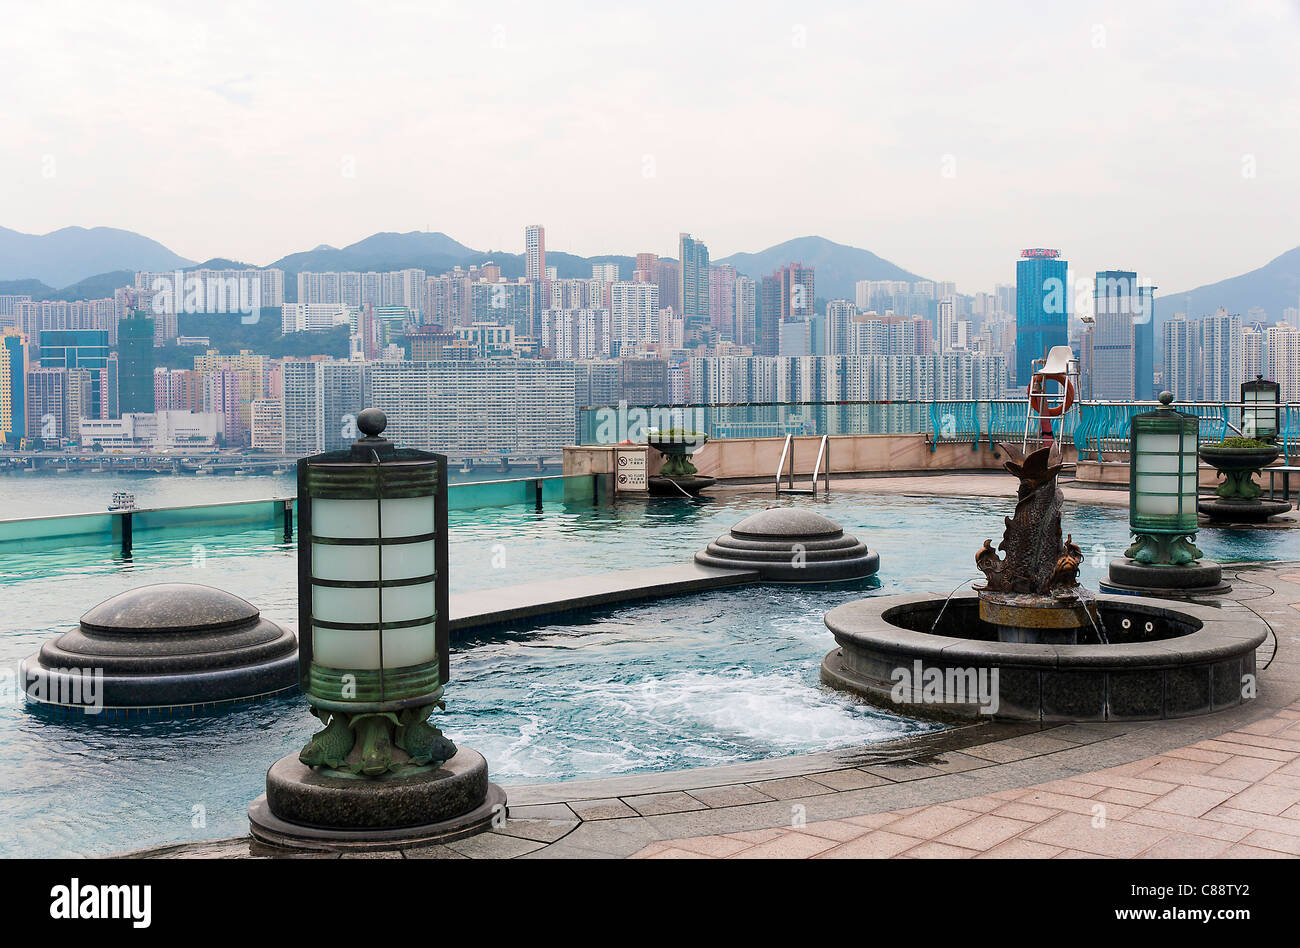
(65, 256)
(86, 263)
(1273, 287)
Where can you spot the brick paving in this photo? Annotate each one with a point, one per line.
(1236, 795)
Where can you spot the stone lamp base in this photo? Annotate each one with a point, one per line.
(1200, 578)
(307, 808)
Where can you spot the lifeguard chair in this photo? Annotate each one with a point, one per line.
(1045, 407)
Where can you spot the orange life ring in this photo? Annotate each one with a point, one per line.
(1039, 401)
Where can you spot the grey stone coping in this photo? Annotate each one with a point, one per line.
(1226, 627)
(557, 597)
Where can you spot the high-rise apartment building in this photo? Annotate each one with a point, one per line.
(1283, 360)
(798, 291)
(534, 252)
(1181, 368)
(634, 315)
(483, 406)
(693, 296)
(722, 300)
(267, 432)
(1122, 339)
(47, 405)
(839, 319)
(135, 335)
(15, 362)
(1222, 367)
(322, 398)
(177, 390)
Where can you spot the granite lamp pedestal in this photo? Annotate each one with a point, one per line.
(1163, 559)
(372, 554)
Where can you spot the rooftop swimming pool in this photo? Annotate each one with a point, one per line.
(720, 677)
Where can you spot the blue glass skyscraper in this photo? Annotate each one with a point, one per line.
(1042, 308)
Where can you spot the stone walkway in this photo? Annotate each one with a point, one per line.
(1235, 796)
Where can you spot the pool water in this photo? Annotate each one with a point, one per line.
(716, 678)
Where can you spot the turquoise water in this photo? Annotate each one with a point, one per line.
(717, 678)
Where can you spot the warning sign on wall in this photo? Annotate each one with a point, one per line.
(630, 470)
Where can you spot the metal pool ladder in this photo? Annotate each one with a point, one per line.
(823, 454)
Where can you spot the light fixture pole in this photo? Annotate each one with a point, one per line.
(1163, 559)
(373, 660)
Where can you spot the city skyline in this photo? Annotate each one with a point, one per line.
(919, 175)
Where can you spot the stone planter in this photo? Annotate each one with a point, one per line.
(1238, 497)
(679, 476)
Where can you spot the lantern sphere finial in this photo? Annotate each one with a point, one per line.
(372, 422)
(1166, 398)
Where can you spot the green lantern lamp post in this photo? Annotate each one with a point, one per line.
(1259, 415)
(1163, 558)
(373, 659)
(373, 595)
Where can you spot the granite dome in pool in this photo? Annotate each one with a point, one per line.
(791, 545)
(165, 646)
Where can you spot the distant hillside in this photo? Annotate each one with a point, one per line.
(839, 266)
(1273, 287)
(33, 288)
(386, 251)
(65, 256)
(97, 287)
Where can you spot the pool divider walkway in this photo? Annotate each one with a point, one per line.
(555, 598)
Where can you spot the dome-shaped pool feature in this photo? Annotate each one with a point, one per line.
(164, 648)
(791, 545)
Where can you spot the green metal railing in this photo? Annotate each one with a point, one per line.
(1095, 429)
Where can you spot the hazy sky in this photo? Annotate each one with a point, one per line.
(1157, 136)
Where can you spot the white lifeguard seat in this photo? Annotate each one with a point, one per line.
(1061, 367)
(1058, 362)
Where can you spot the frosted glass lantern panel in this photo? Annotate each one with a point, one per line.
(331, 604)
(344, 648)
(1158, 463)
(357, 563)
(408, 516)
(415, 645)
(1160, 483)
(344, 519)
(409, 602)
(1159, 443)
(1160, 506)
(409, 560)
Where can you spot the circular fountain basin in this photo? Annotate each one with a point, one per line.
(1159, 663)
